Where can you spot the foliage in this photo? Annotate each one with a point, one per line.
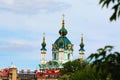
(70, 68)
(87, 73)
(106, 63)
(64, 77)
(103, 65)
(73, 66)
(115, 7)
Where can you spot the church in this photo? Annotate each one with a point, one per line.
(62, 50)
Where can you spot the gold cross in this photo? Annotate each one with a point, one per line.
(63, 16)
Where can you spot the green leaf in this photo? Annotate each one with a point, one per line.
(116, 7)
(106, 2)
(114, 15)
(119, 13)
(101, 1)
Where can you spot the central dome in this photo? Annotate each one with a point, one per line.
(63, 31)
(62, 42)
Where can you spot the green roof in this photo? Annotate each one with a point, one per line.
(62, 42)
(63, 31)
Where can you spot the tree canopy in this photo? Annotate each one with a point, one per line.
(102, 65)
(115, 6)
(73, 66)
(106, 63)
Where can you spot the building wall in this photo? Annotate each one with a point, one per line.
(13, 73)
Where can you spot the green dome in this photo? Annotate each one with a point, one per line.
(63, 31)
(81, 44)
(62, 42)
(43, 44)
(81, 47)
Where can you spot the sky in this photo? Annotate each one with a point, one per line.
(23, 22)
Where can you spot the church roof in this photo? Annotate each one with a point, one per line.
(62, 41)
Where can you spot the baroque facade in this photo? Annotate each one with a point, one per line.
(62, 50)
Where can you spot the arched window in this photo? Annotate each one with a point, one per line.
(68, 56)
(55, 56)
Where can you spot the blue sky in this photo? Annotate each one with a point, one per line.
(23, 22)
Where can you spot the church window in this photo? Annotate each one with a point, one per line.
(68, 56)
(55, 56)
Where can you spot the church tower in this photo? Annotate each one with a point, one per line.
(62, 49)
(12, 72)
(43, 51)
(81, 50)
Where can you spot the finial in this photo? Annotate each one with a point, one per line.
(63, 16)
(63, 20)
(82, 38)
(63, 31)
(12, 65)
(44, 34)
(44, 37)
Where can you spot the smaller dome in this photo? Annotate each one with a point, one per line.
(43, 44)
(63, 31)
(81, 44)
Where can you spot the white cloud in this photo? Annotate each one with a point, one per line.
(32, 6)
(17, 45)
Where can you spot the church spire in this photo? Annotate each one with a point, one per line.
(43, 51)
(81, 44)
(43, 43)
(63, 31)
(12, 65)
(81, 50)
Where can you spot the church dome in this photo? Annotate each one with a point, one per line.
(62, 42)
(81, 44)
(63, 31)
(43, 43)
